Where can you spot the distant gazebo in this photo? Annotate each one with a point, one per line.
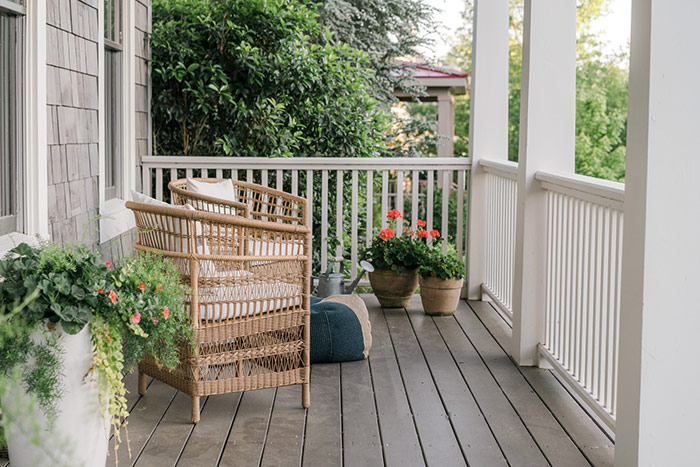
(442, 85)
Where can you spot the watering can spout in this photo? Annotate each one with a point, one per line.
(365, 267)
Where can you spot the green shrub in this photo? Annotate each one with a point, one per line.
(257, 78)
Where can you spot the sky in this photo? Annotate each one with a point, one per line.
(614, 28)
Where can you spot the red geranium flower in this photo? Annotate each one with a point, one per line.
(108, 264)
(99, 290)
(386, 233)
(393, 214)
(166, 312)
(434, 233)
(136, 318)
(421, 223)
(422, 234)
(142, 286)
(112, 296)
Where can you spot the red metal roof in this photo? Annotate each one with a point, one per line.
(425, 71)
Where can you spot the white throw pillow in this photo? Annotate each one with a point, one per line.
(221, 190)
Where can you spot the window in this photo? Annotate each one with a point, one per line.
(113, 98)
(11, 114)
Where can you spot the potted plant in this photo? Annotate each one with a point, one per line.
(70, 326)
(395, 260)
(441, 278)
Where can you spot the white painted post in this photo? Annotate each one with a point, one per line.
(488, 128)
(658, 403)
(547, 126)
(445, 123)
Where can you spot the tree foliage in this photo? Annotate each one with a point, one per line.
(389, 32)
(258, 78)
(601, 91)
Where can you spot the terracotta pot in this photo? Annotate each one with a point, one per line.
(440, 296)
(393, 290)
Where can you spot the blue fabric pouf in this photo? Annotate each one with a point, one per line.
(340, 329)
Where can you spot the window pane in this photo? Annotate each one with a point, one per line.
(113, 13)
(11, 29)
(113, 129)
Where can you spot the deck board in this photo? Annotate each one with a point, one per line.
(361, 442)
(171, 434)
(143, 421)
(544, 428)
(206, 443)
(440, 446)
(246, 439)
(396, 425)
(595, 443)
(323, 443)
(435, 389)
(285, 439)
(474, 435)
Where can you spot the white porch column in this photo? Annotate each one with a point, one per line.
(547, 125)
(488, 127)
(446, 123)
(659, 379)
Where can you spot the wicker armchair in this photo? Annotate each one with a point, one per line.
(250, 281)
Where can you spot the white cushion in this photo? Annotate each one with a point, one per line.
(221, 190)
(250, 299)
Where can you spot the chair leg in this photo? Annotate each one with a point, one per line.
(305, 395)
(195, 409)
(142, 383)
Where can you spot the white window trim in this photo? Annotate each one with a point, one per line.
(115, 218)
(35, 194)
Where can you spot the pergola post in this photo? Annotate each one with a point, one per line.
(445, 123)
(547, 126)
(488, 127)
(658, 401)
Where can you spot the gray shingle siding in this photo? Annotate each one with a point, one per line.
(73, 73)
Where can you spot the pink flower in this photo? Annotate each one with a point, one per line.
(386, 233)
(142, 286)
(393, 214)
(155, 320)
(421, 223)
(434, 233)
(108, 264)
(166, 312)
(112, 296)
(136, 318)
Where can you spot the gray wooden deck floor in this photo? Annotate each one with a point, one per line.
(438, 391)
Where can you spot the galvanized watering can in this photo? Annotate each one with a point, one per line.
(333, 283)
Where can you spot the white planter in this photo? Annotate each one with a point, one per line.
(81, 433)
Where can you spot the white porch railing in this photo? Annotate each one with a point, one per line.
(583, 280)
(348, 197)
(501, 199)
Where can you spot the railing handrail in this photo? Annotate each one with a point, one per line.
(306, 163)
(605, 192)
(506, 169)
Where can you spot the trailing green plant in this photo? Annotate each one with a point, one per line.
(131, 308)
(443, 266)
